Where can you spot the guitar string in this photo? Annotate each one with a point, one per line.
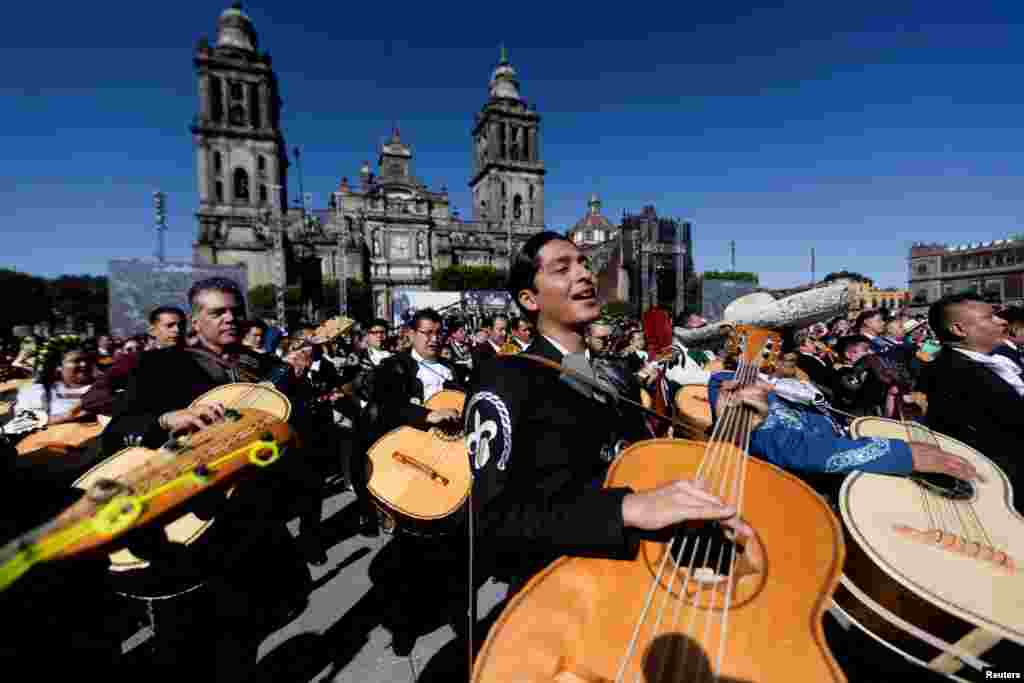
(928, 497)
(968, 505)
(745, 373)
(743, 457)
(973, 529)
(701, 474)
(732, 422)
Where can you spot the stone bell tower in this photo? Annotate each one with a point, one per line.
(508, 173)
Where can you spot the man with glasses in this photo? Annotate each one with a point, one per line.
(462, 357)
(375, 337)
(598, 339)
(522, 333)
(402, 385)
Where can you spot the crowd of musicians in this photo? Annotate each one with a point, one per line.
(538, 445)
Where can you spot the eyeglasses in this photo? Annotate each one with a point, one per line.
(436, 334)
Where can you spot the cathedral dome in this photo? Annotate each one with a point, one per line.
(234, 29)
(503, 80)
(593, 228)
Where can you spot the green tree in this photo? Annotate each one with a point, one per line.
(743, 276)
(85, 297)
(848, 275)
(27, 300)
(460, 278)
(360, 300)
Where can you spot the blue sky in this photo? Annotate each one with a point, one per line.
(855, 130)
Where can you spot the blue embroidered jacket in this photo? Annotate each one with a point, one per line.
(798, 437)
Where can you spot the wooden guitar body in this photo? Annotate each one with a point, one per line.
(137, 486)
(419, 478)
(949, 565)
(141, 473)
(694, 407)
(575, 620)
(61, 439)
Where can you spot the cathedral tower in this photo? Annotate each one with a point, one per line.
(241, 158)
(508, 174)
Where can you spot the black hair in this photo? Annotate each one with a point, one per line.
(214, 284)
(523, 274)
(249, 324)
(456, 324)
(165, 310)
(378, 322)
(848, 341)
(939, 314)
(425, 314)
(487, 323)
(866, 315)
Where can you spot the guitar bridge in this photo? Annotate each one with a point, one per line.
(960, 545)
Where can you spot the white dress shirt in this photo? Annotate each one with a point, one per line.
(433, 375)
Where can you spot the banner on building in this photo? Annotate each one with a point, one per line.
(405, 303)
(717, 294)
(137, 287)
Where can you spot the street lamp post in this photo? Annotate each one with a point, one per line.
(160, 204)
(342, 256)
(278, 274)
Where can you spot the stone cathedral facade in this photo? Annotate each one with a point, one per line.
(386, 227)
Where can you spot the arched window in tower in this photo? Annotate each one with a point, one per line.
(236, 90)
(517, 208)
(525, 144)
(261, 164)
(503, 190)
(504, 211)
(218, 190)
(237, 115)
(531, 216)
(531, 193)
(216, 98)
(254, 105)
(263, 194)
(241, 184)
(218, 163)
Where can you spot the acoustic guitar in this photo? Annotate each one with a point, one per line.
(946, 585)
(138, 486)
(697, 603)
(419, 478)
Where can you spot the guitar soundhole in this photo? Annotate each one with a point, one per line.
(945, 485)
(706, 548)
(714, 570)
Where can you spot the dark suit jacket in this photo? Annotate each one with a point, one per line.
(165, 380)
(395, 385)
(539, 450)
(969, 402)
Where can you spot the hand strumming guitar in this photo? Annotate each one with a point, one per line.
(192, 418)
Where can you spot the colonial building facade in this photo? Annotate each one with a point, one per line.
(994, 270)
(646, 260)
(389, 228)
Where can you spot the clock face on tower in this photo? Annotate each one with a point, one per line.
(401, 246)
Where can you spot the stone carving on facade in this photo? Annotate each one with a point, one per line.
(421, 245)
(376, 242)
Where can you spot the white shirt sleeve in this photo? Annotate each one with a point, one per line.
(29, 398)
